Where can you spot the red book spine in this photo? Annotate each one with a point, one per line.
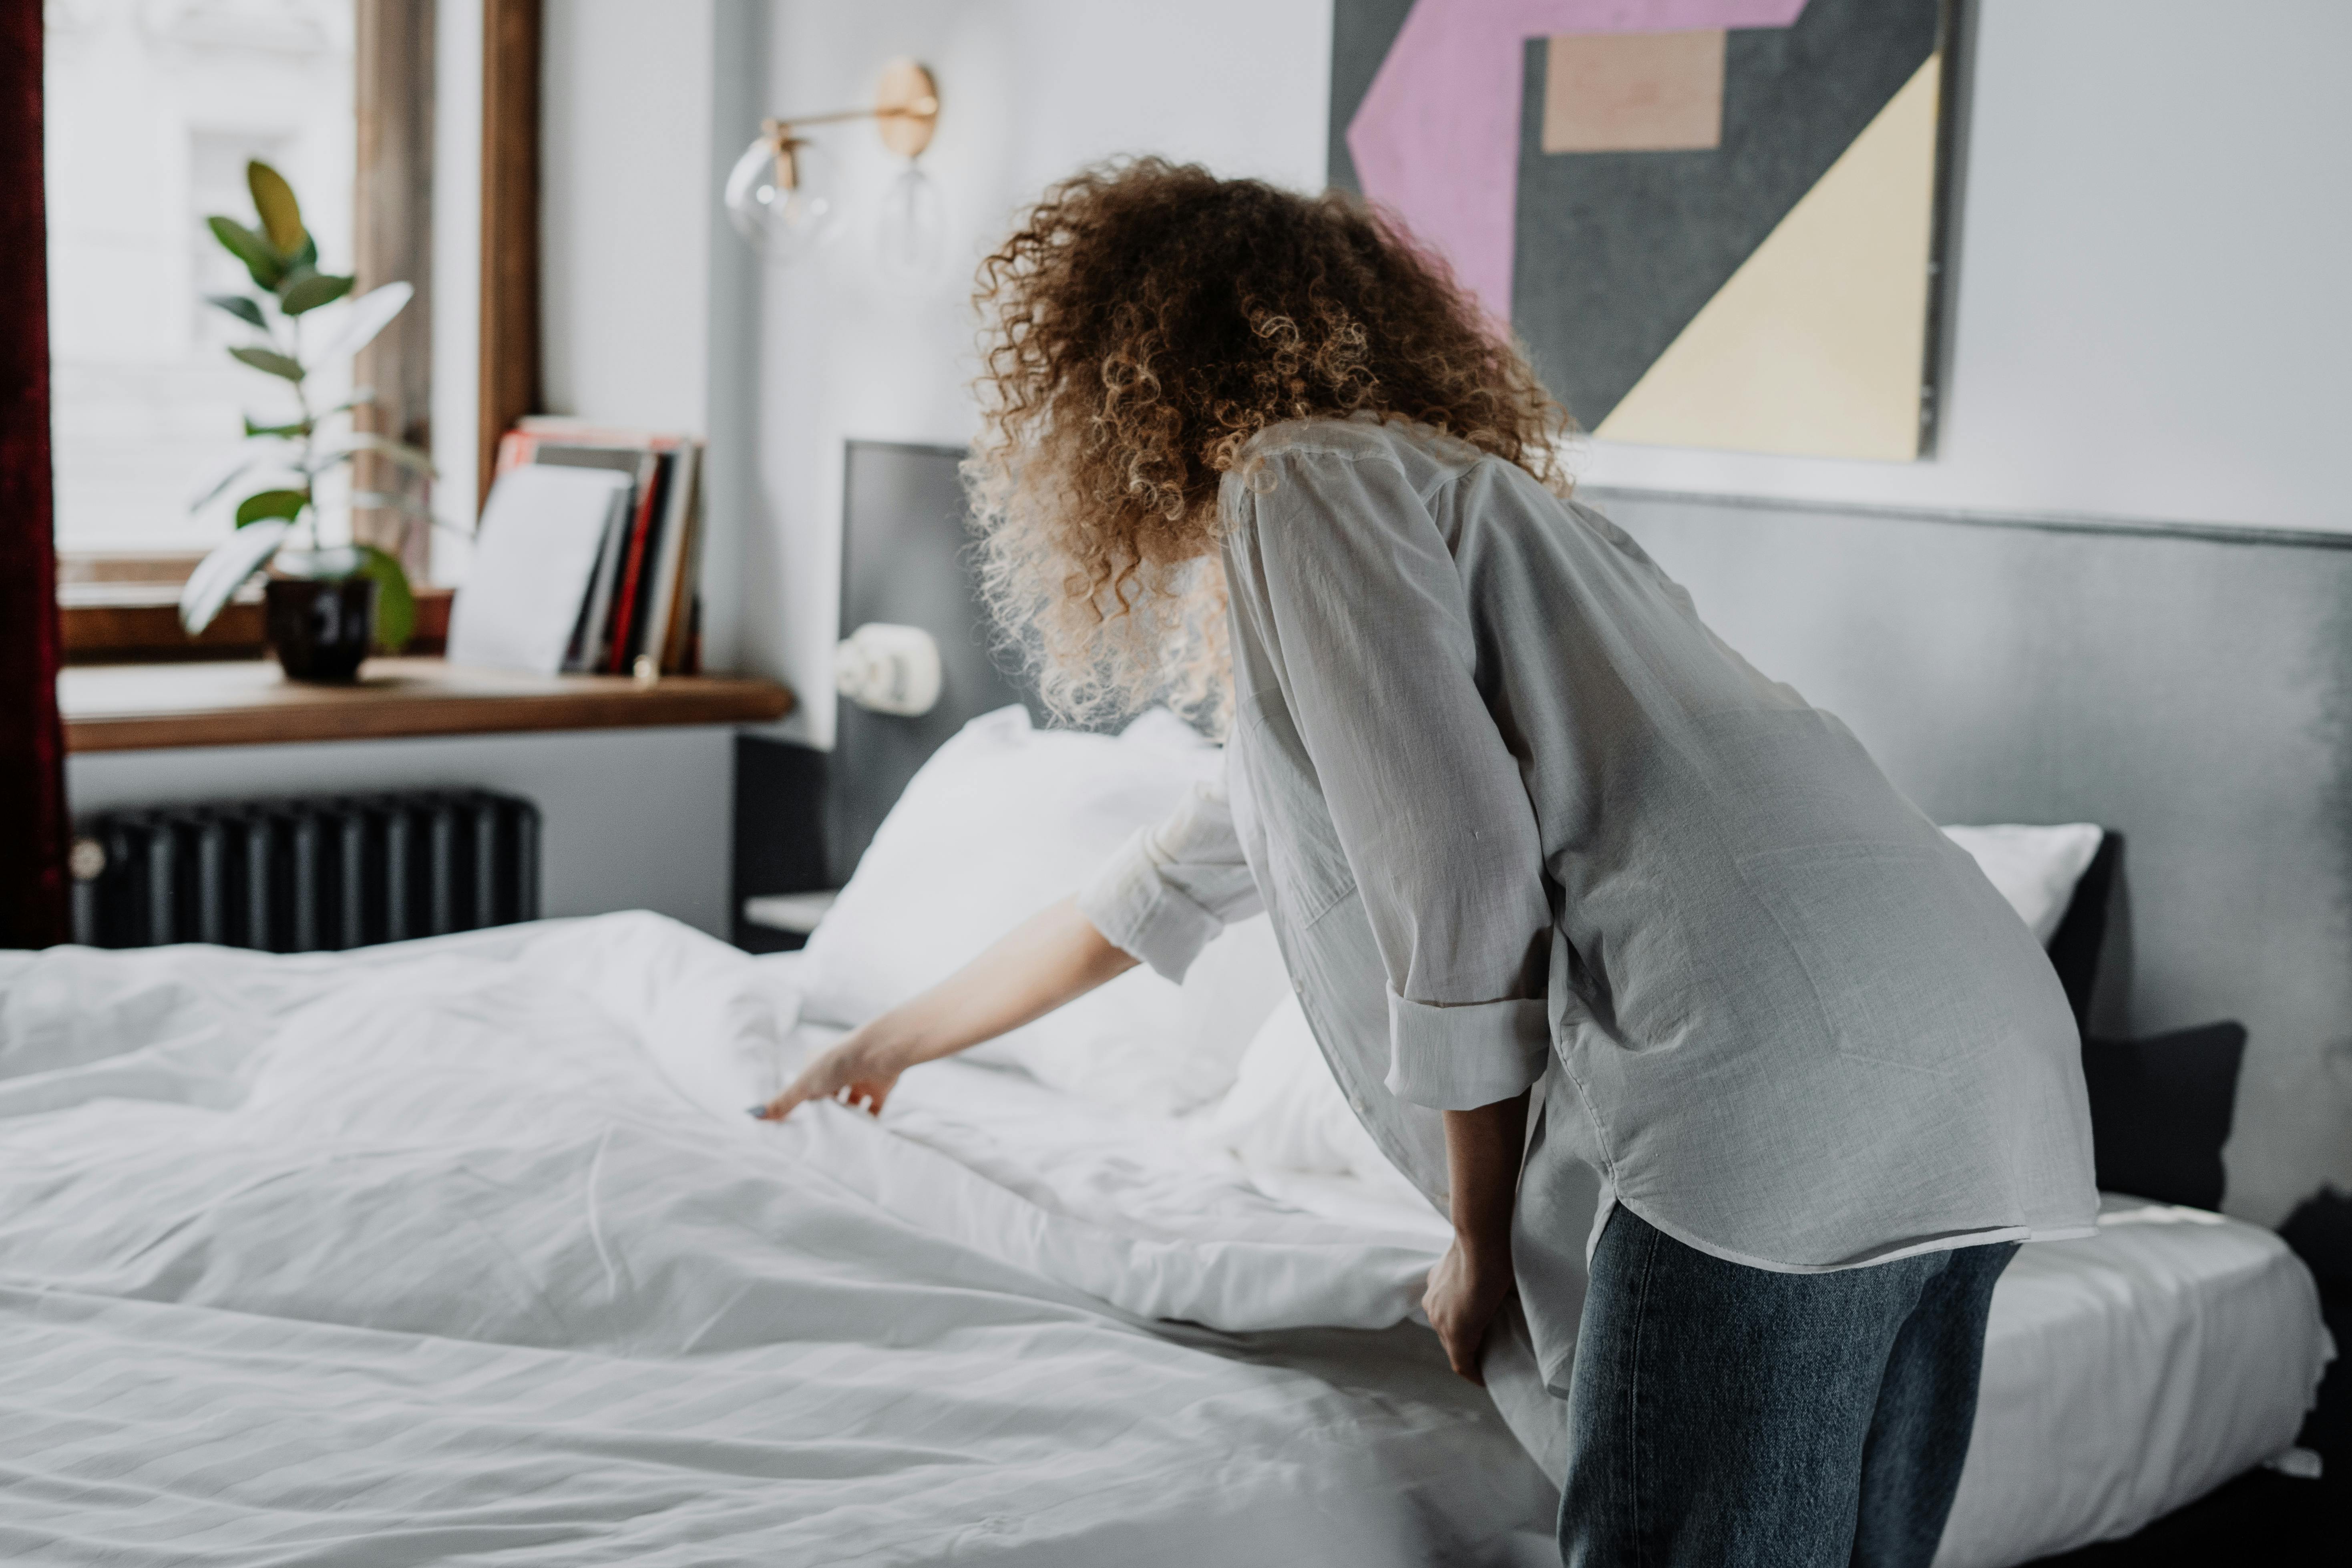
(515, 450)
(624, 609)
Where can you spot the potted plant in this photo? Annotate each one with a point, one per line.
(324, 605)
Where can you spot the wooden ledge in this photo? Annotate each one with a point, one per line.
(127, 707)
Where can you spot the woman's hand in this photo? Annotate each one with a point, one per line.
(1466, 1291)
(1470, 1283)
(858, 1071)
(1054, 955)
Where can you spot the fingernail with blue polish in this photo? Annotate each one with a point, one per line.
(759, 1112)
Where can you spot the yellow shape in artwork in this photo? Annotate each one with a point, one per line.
(1817, 344)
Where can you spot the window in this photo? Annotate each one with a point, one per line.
(153, 108)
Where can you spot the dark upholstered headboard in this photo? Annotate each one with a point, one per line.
(906, 559)
(802, 817)
(2190, 689)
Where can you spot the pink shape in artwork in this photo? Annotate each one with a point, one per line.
(1436, 140)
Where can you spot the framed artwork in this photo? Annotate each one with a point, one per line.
(1714, 223)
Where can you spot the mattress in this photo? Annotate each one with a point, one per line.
(463, 1249)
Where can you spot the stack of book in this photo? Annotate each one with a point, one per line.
(641, 613)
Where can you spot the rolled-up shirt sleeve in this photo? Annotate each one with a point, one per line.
(1365, 615)
(1171, 888)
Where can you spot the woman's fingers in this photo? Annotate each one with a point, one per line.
(1461, 1342)
(1460, 1306)
(1462, 1346)
(777, 1109)
(802, 1088)
(829, 1077)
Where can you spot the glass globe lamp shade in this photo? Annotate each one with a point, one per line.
(911, 233)
(783, 203)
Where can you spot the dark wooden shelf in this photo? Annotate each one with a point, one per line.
(249, 702)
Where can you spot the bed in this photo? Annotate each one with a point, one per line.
(463, 1249)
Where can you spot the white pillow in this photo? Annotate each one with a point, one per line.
(1285, 1112)
(1004, 820)
(2035, 869)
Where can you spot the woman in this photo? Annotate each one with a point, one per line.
(1531, 838)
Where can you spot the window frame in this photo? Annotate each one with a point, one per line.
(119, 607)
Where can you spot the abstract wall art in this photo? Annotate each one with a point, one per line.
(1714, 223)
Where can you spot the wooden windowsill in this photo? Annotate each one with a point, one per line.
(104, 622)
(249, 702)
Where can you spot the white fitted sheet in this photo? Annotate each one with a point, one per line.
(2130, 1372)
(465, 1249)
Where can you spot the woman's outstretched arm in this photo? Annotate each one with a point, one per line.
(1054, 956)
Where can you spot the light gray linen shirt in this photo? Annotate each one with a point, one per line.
(1520, 818)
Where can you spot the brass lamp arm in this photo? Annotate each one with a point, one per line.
(906, 109)
(922, 109)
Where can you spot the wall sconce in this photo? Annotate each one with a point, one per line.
(781, 195)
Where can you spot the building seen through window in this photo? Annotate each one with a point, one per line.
(153, 108)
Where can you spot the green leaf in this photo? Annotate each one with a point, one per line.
(368, 316)
(307, 255)
(395, 604)
(313, 290)
(270, 359)
(264, 504)
(243, 309)
(219, 575)
(265, 265)
(415, 460)
(254, 452)
(273, 198)
(295, 431)
(360, 397)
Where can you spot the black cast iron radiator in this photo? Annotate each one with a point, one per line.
(296, 876)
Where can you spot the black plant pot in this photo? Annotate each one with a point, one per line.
(321, 630)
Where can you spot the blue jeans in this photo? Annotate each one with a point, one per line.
(1723, 1414)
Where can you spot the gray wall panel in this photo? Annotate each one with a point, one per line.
(2195, 693)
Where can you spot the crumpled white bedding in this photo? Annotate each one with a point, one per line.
(466, 1251)
(1140, 1210)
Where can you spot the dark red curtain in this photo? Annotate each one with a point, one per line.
(33, 824)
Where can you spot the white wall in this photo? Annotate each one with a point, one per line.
(2151, 317)
(625, 136)
(632, 818)
(648, 317)
(1029, 90)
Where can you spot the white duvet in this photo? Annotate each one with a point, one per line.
(465, 1251)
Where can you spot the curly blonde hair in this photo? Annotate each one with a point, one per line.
(1142, 323)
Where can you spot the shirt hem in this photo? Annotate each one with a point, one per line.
(1949, 1242)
